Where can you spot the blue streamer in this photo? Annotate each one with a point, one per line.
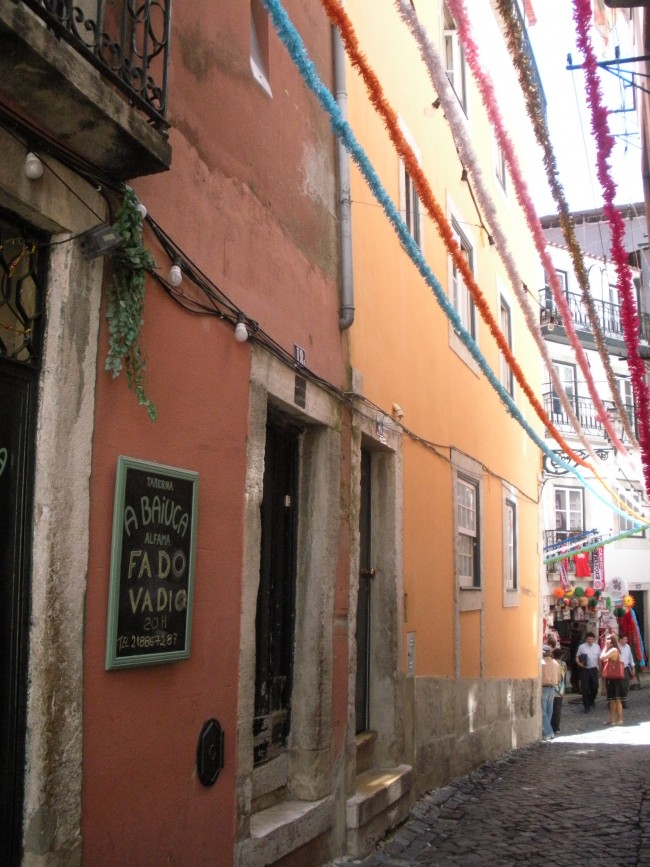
(292, 41)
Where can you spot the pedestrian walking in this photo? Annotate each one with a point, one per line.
(575, 640)
(628, 661)
(614, 678)
(588, 660)
(550, 678)
(556, 716)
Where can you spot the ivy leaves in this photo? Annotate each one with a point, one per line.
(124, 312)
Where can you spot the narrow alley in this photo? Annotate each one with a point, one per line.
(579, 799)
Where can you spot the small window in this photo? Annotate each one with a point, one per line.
(500, 167)
(563, 280)
(412, 208)
(507, 378)
(566, 373)
(510, 546)
(467, 533)
(260, 45)
(569, 512)
(454, 59)
(627, 399)
(460, 296)
(633, 500)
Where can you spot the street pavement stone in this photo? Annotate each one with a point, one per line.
(580, 800)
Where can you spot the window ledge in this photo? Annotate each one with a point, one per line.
(470, 599)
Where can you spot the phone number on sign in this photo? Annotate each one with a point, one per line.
(127, 642)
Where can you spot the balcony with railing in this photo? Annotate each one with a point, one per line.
(92, 73)
(609, 318)
(586, 413)
(553, 548)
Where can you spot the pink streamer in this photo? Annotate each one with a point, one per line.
(629, 314)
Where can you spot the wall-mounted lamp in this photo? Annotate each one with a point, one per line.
(175, 276)
(100, 241)
(33, 167)
(241, 332)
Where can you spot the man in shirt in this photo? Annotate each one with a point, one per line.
(551, 675)
(587, 659)
(628, 662)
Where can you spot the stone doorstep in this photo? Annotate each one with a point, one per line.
(377, 790)
(283, 828)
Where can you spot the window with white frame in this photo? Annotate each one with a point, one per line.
(411, 207)
(454, 58)
(563, 279)
(507, 378)
(627, 398)
(409, 201)
(569, 512)
(500, 166)
(468, 532)
(460, 296)
(259, 47)
(510, 560)
(632, 500)
(566, 373)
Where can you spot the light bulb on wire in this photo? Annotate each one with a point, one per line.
(33, 167)
(175, 276)
(241, 332)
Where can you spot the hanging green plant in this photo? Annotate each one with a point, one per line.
(130, 263)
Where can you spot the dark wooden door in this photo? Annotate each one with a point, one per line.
(21, 304)
(17, 388)
(276, 595)
(366, 574)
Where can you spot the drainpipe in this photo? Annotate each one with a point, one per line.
(345, 217)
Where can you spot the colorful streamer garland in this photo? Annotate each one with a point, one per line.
(340, 19)
(457, 123)
(536, 114)
(605, 144)
(292, 41)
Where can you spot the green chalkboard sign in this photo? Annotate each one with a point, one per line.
(152, 564)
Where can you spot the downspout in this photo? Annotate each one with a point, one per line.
(346, 316)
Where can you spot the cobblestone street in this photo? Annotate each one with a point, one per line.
(581, 799)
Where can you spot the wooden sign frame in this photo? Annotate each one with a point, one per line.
(152, 564)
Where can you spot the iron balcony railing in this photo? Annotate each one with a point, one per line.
(609, 316)
(126, 40)
(553, 538)
(585, 411)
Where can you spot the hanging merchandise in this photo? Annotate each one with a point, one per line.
(599, 569)
(563, 573)
(618, 587)
(581, 561)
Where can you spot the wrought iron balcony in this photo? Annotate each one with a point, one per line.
(127, 41)
(554, 538)
(93, 74)
(585, 412)
(609, 317)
